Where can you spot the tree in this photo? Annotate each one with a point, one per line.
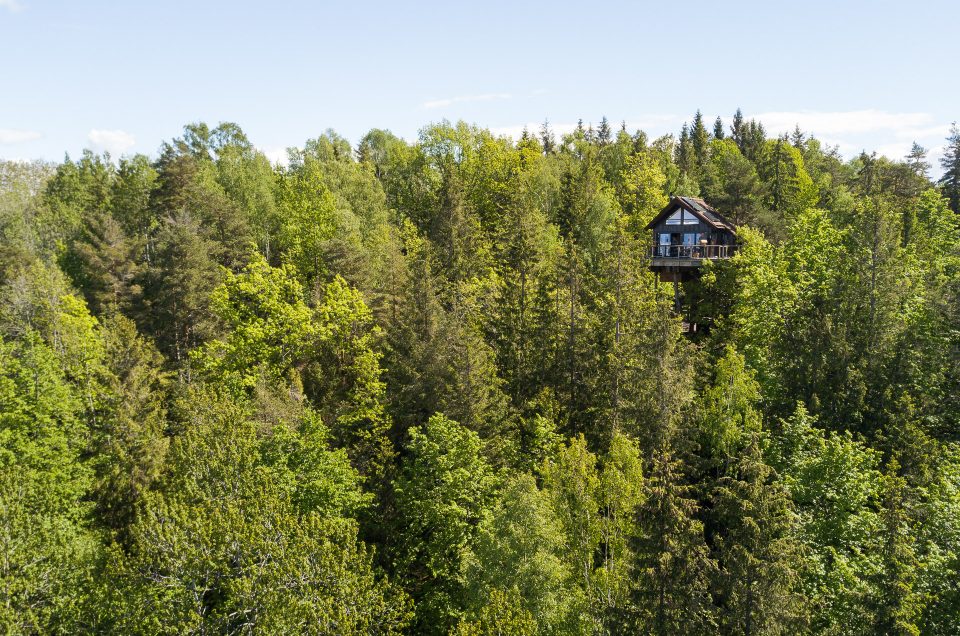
(644, 184)
(604, 132)
(718, 130)
(950, 162)
(729, 416)
(572, 484)
(917, 160)
(789, 187)
(519, 555)
(757, 550)
(700, 142)
(898, 605)
(107, 265)
(501, 614)
(131, 444)
(546, 138)
(731, 184)
(226, 544)
(834, 483)
(620, 495)
(737, 132)
(49, 551)
(268, 325)
(177, 287)
(673, 564)
(342, 378)
(443, 495)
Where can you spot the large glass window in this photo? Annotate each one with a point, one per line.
(692, 238)
(682, 217)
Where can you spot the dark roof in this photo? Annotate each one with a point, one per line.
(699, 208)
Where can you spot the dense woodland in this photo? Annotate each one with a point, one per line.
(432, 387)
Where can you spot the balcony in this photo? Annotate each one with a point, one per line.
(688, 255)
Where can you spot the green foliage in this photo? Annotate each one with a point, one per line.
(433, 387)
(268, 325)
(241, 535)
(443, 495)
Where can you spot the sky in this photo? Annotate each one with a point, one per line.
(124, 76)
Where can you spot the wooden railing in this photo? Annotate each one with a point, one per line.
(693, 251)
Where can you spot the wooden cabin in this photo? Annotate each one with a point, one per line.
(685, 233)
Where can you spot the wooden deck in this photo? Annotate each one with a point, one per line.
(684, 256)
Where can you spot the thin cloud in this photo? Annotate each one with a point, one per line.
(277, 155)
(11, 136)
(886, 133)
(844, 122)
(450, 101)
(113, 141)
(11, 5)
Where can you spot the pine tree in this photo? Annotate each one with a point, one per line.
(917, 160)
(177, 286)
(105, 264)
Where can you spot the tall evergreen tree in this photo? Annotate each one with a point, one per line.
(950, 162)
(718, 129)
(674, 569)
(898, 605)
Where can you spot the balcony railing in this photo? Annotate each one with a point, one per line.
(693, 251)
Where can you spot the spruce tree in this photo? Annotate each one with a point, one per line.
(737, 132)
(898, 604)
(674, 569)
(757, 550)
(718, 130)
(700, 141)
(950, 161)
(604, 132)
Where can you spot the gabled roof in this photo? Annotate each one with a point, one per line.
(699, 208)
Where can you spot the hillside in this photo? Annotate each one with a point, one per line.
(434, 387)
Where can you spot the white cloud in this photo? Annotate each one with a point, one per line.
(887, 133)
(10, 136)
(113, 141)
(276, 154)
(11, 5)
(843, 122)
(450, 101)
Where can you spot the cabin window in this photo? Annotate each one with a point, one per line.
(692, 238)
(682, 217)
(664, 239)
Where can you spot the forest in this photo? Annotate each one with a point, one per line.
(432, 387)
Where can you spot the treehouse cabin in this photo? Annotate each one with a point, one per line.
(686, 233)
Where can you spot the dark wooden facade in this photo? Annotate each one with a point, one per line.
(685, 233)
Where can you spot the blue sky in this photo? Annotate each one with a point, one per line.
(123, 76)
